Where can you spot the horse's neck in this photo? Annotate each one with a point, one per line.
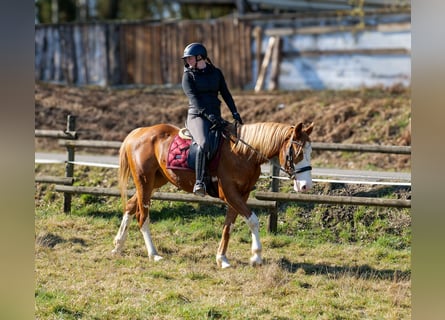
(262, 140)
(266, 152)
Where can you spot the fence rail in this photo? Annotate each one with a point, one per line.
(267, 200)
(168, 196)
(91, 144)
(315, 146)
(55, 180)
(55, 134)
(366, 201)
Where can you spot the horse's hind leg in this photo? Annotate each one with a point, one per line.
(144, 197)
(152, 252)
(122, 233)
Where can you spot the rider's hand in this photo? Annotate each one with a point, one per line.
(237, 117)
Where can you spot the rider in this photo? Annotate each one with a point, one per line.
(202, 82)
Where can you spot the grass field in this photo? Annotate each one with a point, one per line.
(325, 262)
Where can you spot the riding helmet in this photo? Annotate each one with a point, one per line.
(195, 49)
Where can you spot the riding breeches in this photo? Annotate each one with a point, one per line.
(199, 129)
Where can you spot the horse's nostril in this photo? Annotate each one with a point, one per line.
(303, 187)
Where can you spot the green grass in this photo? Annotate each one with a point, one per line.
(325, 262)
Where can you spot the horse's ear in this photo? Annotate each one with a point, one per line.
(309, 129)
(298, 128)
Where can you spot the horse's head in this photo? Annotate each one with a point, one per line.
(296, 156)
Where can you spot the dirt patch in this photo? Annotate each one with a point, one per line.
(368, 116)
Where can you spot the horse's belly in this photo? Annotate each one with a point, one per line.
(183, 179)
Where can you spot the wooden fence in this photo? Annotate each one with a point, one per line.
(142, 52)
(267, 200)
(278, 51)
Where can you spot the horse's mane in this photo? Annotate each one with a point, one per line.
(264, 137)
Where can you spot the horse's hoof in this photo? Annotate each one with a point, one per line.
(116, 252)
(222, 262)
(156, 258)
(256, 261)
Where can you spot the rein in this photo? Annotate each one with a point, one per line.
(289, 154)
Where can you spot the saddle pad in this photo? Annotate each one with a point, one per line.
(180, 150)
(178, 153)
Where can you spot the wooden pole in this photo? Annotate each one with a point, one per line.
(274, 187)
(275, 69)
(55, 180)
(55, 134)
(365, 201)
(69, 167)
(166, 196)
(264, 65)
(68, 141)
(258, 40)
(361, 148)
(91, 144)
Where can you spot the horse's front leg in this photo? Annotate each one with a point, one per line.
(221, 258)
(252, 221)
(254, 226)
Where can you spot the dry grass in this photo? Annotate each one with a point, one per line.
(77, 278)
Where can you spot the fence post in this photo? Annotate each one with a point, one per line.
(274, 187)
(69, 167)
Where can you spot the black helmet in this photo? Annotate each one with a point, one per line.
(195, 49)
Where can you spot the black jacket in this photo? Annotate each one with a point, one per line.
(202, 88)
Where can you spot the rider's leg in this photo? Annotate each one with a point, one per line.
(199, 188)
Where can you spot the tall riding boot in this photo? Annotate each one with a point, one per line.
(200, 188)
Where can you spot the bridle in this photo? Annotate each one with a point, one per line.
(289, 165)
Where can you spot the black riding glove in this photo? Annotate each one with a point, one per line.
(237, 117)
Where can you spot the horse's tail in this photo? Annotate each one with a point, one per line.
(123, 173)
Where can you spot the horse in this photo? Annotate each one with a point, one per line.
(144, 152)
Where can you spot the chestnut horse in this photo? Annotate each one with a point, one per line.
(144, 153)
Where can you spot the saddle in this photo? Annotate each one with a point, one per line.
(182, 155)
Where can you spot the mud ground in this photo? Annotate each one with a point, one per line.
(368, 116)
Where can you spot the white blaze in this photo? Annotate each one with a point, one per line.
(303, 180)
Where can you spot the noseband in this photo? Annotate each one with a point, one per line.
(289, 166)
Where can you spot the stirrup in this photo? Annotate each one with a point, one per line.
(199, 189)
